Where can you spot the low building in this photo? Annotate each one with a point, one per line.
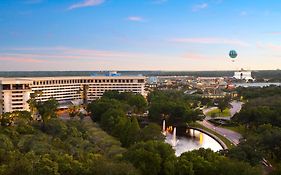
(243, 75)
(15, 92)
(211, 87)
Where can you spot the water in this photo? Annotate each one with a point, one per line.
(185, 144)
(256, 84)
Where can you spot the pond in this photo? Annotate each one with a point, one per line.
(194, 141)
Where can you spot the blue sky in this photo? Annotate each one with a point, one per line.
(139, 34)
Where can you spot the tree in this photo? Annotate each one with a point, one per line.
(138, 103)
(46, 166)
(33, 103)
(151, 132)
(99, 107)
(73, 111)
(223, 103)
(133, 132)
(150, 157)
(110, 118)
(6, 119)
(207, 162)
(47, 109)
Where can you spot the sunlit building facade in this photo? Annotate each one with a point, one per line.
(15, 92)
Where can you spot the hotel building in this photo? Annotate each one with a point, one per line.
(15, 92)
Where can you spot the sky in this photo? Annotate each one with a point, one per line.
(180, 35)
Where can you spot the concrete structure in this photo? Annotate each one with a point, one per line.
(14, 92)
(243, 75)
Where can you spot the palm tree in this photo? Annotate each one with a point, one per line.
(33, 104)
(73, 111)
(84, 94)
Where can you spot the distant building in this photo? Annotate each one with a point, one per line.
(243, 75)
(211, 87)
(151, 82)
(14, 92)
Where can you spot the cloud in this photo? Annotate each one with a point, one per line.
(198, 7)
(197, 56)
(135, 18)
(211, 41)
(20, 60)
(194, 56)
(270, 46)
(64, 53)
(86, 3)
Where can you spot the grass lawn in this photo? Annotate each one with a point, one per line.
(240, 128)
(225, 140)
(218, 113)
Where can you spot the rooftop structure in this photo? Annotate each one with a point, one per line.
(243, 75)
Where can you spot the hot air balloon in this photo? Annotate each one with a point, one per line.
(232, 54)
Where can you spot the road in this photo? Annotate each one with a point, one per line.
(235, 107)
(232, 136)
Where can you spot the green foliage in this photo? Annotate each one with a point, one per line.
(151, 157)
(73, 111)
(136, 102)
(9, 118)
(209, 163)
(47, 109)
(151, 132)
(219, 113)
(63, 147)
(223, 103)
(260, 111)
(261, 142)
(110, 118)
(99, 107)
(255, 92)
(173, 106)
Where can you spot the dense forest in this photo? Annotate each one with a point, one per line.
(261, 118)
(112, 141)
(260, 75)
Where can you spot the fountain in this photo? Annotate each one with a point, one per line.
(186, 143)
(164, 128)
(174, 140)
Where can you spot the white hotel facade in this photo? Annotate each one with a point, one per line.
(15, 92)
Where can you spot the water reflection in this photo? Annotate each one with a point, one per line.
(198, 140)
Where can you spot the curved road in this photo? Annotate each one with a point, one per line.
(232, 136)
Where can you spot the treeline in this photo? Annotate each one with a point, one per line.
(80, 146)
(261, 117)
(60, 147)
(112, 111)
(260, 75)
(173, 106)
(146, 149)
(255, 92)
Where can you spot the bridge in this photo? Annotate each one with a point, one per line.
(223, 145)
